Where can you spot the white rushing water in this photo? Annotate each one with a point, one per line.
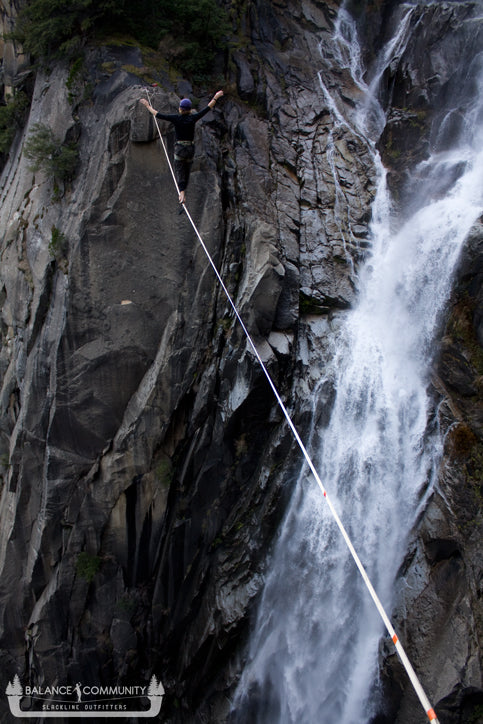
(313, 653)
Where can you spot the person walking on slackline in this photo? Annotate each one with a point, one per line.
(184, 128)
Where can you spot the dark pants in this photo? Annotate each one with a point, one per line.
(183, 158)
(182, 170)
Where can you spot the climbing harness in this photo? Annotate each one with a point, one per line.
(184, 151)
(425, 703)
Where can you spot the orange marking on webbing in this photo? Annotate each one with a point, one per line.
(431, 714)
(395, 639)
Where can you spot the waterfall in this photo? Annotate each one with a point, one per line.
(313, 655)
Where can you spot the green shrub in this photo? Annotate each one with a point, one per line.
(53, 28)
(40, 147)
(57, 243)
(164, 472)
(198, 26)
(45, 152)
(12, 117)
(310, 305)
(476, 715)
(76, 80)
(48, 28)
(127, 603)
(87, 566)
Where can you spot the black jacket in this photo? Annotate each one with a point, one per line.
(184, 123)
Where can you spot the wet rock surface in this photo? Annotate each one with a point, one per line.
(144, 462)
(441, 593)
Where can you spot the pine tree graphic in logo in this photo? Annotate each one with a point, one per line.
(14, 692)
(154, 693)
(15, 688)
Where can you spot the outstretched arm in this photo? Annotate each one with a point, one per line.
(148, 106)
(217, 95)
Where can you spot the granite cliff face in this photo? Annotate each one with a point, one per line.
(144, 462)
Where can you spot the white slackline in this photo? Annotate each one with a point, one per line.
(399, 647)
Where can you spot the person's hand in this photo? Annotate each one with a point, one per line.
(148, 106)
(218, 94)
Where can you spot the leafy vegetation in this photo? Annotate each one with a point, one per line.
(12, 117)
(310, 305)
(77, 83)
(57, 241)
(476, 715)
(49, 28)
(47, 153)
(58, 246)
(127, 603)
(87, 566)
(164, 472)
(54, 28)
